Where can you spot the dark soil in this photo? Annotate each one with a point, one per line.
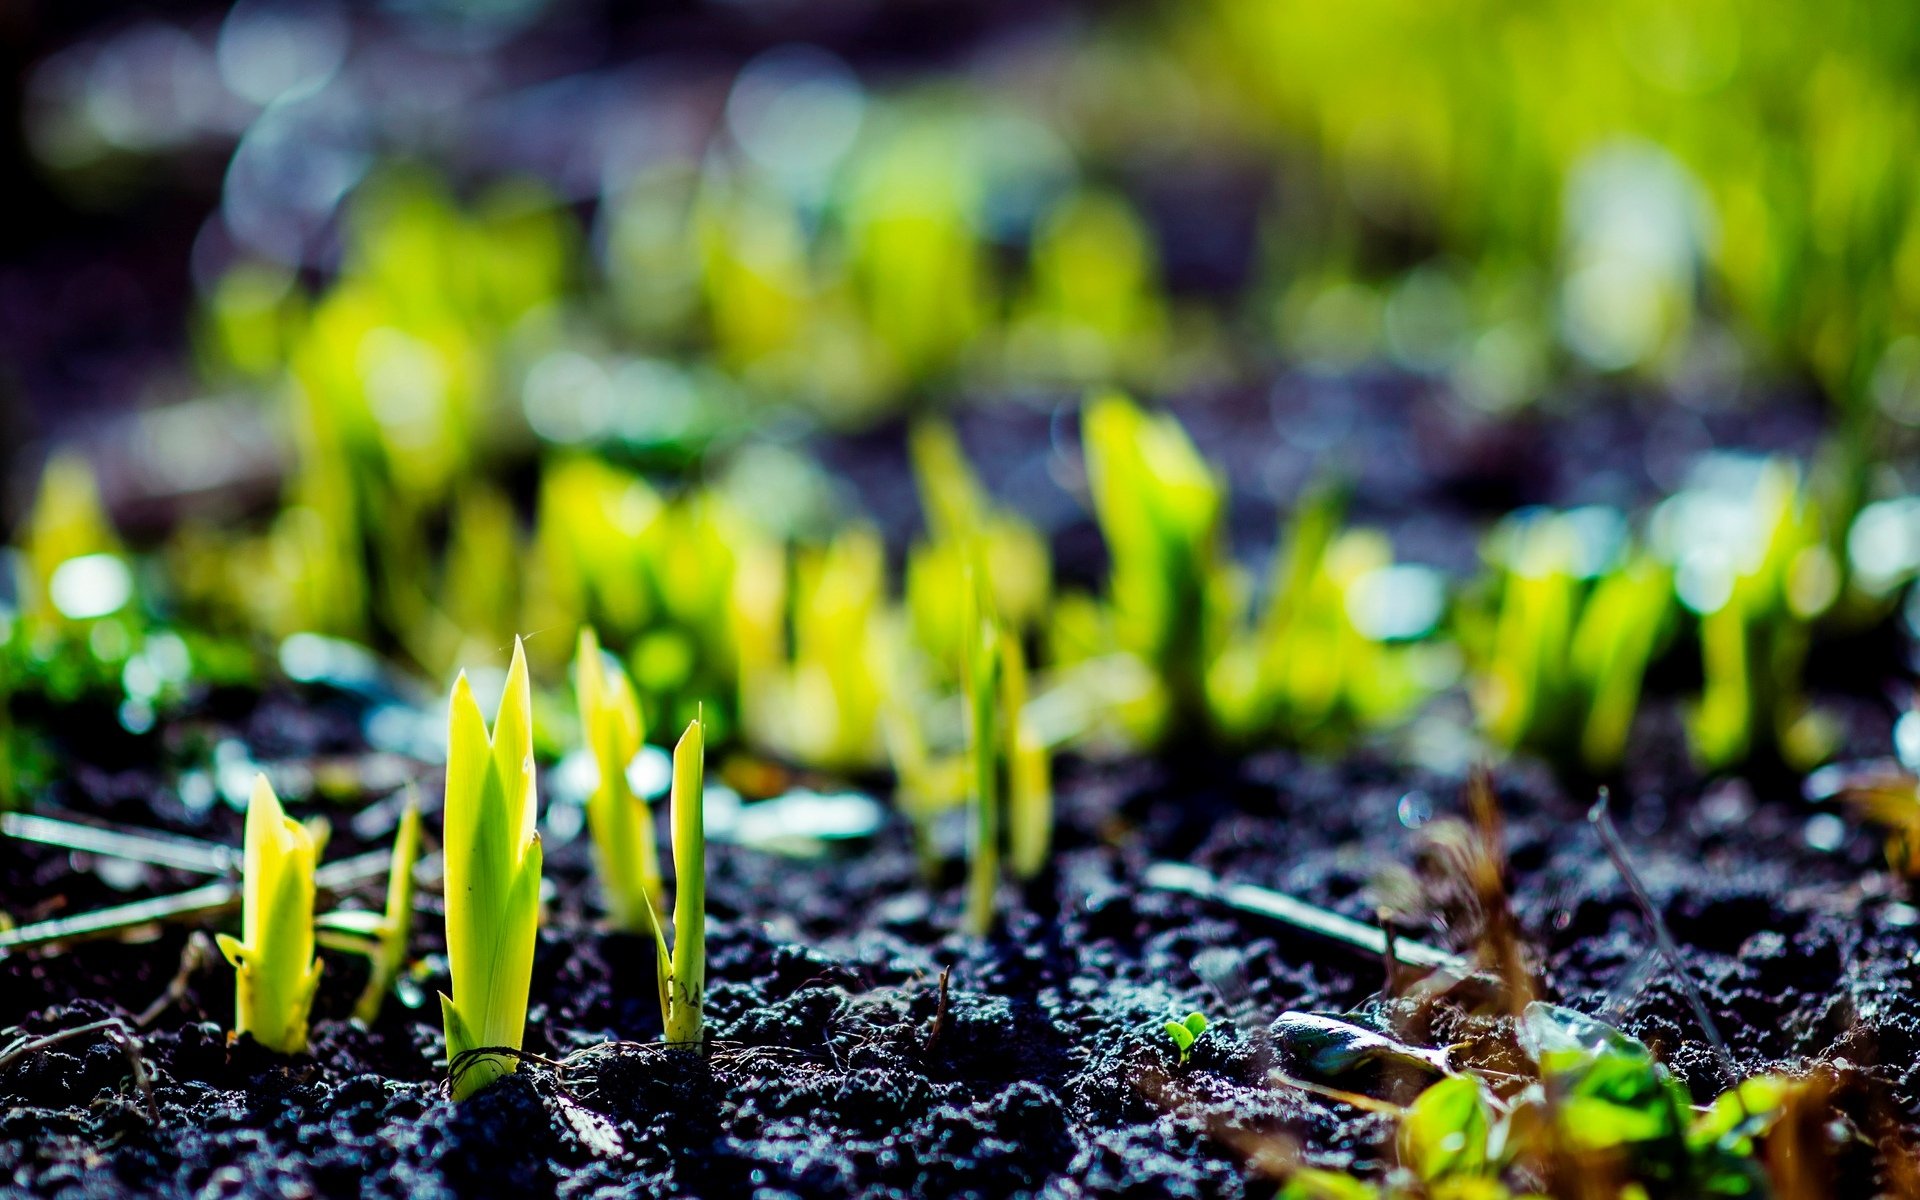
(835, 1068)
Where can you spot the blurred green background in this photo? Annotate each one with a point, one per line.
(419, 324)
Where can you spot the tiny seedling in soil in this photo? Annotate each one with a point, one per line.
(624, 851)
(493, 880)
(381, 937)
(682, 968)
(1185, 1032)
(273, 959)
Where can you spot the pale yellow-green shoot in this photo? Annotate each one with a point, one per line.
(1029, 768)
(682, 969)
(622, 828)
(273, 958)
(381, 937)
(980, 687)
(492, 879)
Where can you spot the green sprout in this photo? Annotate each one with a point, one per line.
(1579, 619)
(1343, 642)
(1028, 762)
(652, 575)
(492, 879)
(1751, 561)
(979, 684)
(381, 937)
(622, 828)
(682, 968)
(1093, 308)
(1172, 590)
(1185, 1032)
(963, 525)
(821, 704)
(273, 959)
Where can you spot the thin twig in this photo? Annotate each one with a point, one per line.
(1303, 917)
(939, 1014)
(116, 1031)
(329, 880)
(1356, 1099)
(133, 845)
(198, 955)
(1616, 849)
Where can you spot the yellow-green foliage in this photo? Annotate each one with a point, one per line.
(622, 828)
(397, 374)
(682, 968)
(67, 522)
(655, 576)
(1307, 671)
(821, 704)
(1093, 309)
(980, 669)
(962, 523)
(273, 959)
(1028, 766)
(914, 252)
(1559, 667)
(1173, 594)
(492, 879)
(381, 937)
(1462, 124)
(1753, 564)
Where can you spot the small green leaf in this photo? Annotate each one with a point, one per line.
(1196, 1023)
(1445, 1133)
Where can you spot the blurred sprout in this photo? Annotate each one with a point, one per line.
(251, 319)
(1093, 309)
(655, 576)
(1749, 558)
(1338, 646)
(625, 851)
(1173, 594)
(76, 570)
(961, 524)
(1560, 658)
(914, 249)
(816, 697)
(980, 671)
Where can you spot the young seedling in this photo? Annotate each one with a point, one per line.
(622, 828)
(1751, 560)
(276, 971)
(1561, 665)
(682, 968)
(979, 685)
(492, 880)
(1185, 1031)
(1028, 767)
(381, 937)
(1343, 642)
(1161, 510)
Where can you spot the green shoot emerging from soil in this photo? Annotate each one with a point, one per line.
(1028, 766)
(1340, 643)
(1578, 620)
(980, 684)
(381, 937)
(1161, 510)
(682, 968)
(623, 841)
(1185, 1032)
(276, 968)
(493, 879)
(1750, 558)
